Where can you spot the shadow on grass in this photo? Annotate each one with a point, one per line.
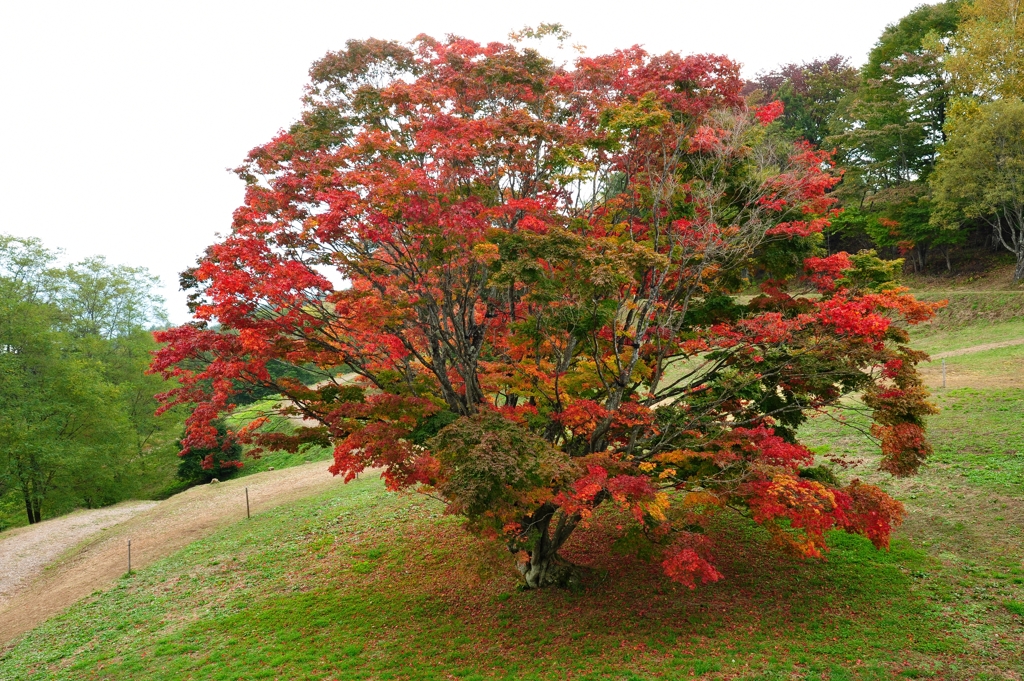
(419, 611)
(387, 590)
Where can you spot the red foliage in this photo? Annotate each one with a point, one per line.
(581, 417)
(773, 450)
(824, 273)
(904, 447)
(585, 490)
(809, 506)
(769, 112)
(686, 567)
(565, 248)
(871, 512)
(687, 561)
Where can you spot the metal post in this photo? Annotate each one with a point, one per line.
(129, 556)
(943, 373)
(247, 503)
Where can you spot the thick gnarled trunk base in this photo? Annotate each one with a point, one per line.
(544, 567)
(553, 571)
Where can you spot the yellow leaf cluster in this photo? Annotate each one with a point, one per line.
(675, 456)
(693, 499)
(986, 59)
(656, 509)
(813, 496)
(486, 252)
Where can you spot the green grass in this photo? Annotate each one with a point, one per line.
(965, 511)
(275, 423)
(933, 339)
(995, 368)
(361, 584)
(279, 460)
(967, 308)
(266, 407)
(979, 436)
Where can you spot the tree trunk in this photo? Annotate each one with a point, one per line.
(32, 503)
(544, 567)
(29, 510)
(551, 571)
(1018, 272)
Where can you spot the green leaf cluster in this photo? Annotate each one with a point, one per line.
(77, 423)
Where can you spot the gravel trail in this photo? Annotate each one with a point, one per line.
(24, 552)
(978, 348)
(62, 560)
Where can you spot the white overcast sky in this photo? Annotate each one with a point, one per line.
(118, 120)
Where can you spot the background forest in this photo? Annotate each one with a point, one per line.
(930, 132)
(77, 423)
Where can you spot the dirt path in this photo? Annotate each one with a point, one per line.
(946, 292)
(978, 348)
(24, 552)
(157, 529)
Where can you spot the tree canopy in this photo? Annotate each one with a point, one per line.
(812, 93)
(987, 57)
(565, 288)
(887, 121)
(981, 174)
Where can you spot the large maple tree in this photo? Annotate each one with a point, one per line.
(558, 288)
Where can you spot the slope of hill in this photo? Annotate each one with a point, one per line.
(356, 583)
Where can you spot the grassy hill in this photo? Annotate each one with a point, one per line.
(358, 583)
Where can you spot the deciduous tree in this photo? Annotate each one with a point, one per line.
(812, 94)
(546, 299)
(981, 173)
(889, 130)
(987, 55)
(221, 461)
(61, 432)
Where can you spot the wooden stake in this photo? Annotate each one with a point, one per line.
(129, 556)
(247, 503)
(943, 373)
